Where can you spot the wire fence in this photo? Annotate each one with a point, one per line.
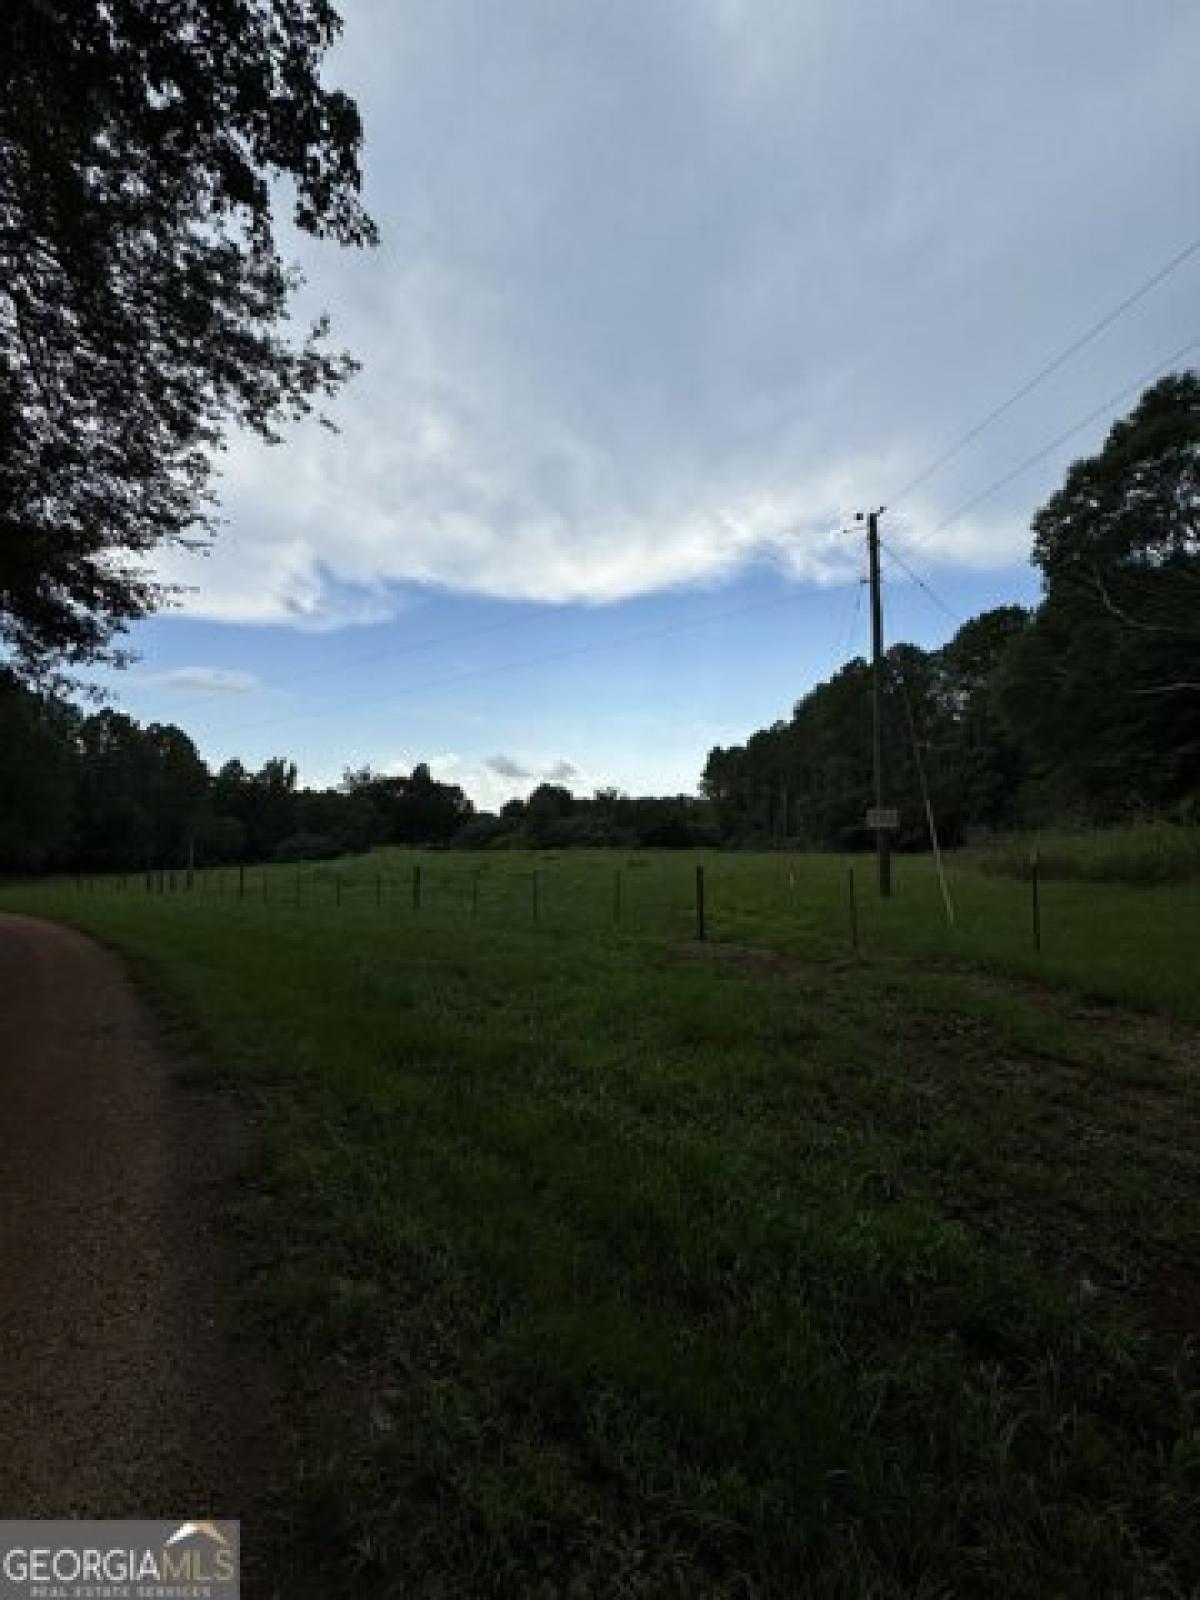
(1112, 940)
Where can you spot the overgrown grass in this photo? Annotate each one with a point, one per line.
(1141, 853)
(606, 1265)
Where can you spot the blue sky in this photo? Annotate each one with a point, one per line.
(666, 292)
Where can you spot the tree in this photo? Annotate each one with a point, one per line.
(1105, 687)
(981, 764)
(141, 792)
(37, 779)
(143, 297)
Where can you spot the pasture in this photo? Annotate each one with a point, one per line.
(607, 1262)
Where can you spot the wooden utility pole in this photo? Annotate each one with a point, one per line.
(883, 841)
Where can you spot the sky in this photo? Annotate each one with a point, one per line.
(667, 291)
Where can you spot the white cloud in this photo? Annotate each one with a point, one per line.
(506, 767)
(203, 680)
(674, 288)
(490, 782)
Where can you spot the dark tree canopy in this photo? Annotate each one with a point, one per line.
(1136, 504)
(143, 296)
(1105, 689)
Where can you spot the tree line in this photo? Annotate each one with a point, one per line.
(1085, 709)
(100, 792)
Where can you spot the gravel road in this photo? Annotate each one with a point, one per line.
(124, 1390)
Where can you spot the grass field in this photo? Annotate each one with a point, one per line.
(610, 1264)
(1138, 853)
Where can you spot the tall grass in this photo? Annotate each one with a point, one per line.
(1138, 853)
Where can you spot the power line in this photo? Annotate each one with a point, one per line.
(411, 647)
(332, 707)
(923, 780)
(1064, 355)
(895, 557)
(855, 613)
(1049, 449)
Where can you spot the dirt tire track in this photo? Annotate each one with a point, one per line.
(123, 1388)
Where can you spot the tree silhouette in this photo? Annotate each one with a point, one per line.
(143, 296)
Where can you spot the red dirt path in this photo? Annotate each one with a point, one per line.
(123, 1390)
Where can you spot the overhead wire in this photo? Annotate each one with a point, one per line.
(1052, 366)
(569, 652)
(855, 613)
(894, 666)
(1040, 455)
(898, 560)
(410, 647)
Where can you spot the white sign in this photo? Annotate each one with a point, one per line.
(883, 817)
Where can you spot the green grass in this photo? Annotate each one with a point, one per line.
(1140, 853)
(605, 1265)
(1110, 940)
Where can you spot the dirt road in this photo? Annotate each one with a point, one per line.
(123, 1389)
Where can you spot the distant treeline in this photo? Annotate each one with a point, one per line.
(1086, 709)
(809, 780)
(101, 792)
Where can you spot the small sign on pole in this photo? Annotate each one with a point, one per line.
(882, 817)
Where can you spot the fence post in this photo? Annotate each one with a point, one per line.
(475, 892)
(1037, 903)
(617, 895)
(853, 910)
(264, 883)
(700, 927)
(534, 876)
(416, 888)
(337, 888)
(378, 891)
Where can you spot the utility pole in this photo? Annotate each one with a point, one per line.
(883, 842)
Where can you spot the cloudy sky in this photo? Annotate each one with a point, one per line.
(667, 290)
